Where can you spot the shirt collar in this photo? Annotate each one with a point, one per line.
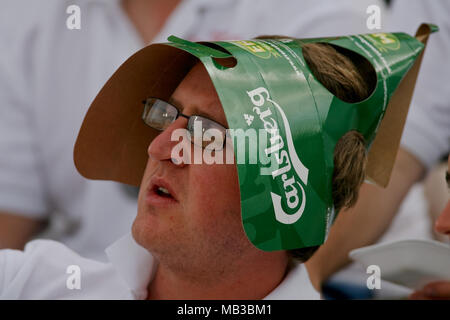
(296, 285)
(136, 266)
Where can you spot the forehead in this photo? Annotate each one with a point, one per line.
(196, 95)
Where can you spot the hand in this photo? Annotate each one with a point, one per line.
(439, 290)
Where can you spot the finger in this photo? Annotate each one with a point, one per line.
(439, 289)
(418, 295)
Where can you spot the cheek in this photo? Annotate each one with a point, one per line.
(217, 190)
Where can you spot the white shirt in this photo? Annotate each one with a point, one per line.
(39, 272)
(427, 129)
(49, 75)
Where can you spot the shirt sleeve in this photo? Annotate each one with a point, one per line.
(427, 128)
(21, 185)
(44, 271)
(34, 272)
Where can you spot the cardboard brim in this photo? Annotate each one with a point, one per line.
(383, 152)
(113, 140)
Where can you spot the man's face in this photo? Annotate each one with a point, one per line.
(443, 222)
(201, 222)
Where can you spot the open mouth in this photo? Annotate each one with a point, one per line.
(162, 192)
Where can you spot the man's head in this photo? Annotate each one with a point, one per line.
(199, 226)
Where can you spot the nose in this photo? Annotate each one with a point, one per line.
(442, 224)
(175, 135)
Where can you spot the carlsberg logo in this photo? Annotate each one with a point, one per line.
(289, 168)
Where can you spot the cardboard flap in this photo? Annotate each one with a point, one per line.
(113, 140)
(383, 152)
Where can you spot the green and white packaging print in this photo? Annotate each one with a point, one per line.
(271, 84)
(265, 85)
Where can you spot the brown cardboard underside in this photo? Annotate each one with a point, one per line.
(384, 149)
(119, 153)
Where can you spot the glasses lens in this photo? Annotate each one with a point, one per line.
(159, 114)
(206, 133)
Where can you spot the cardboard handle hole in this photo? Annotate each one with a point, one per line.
(222, 62)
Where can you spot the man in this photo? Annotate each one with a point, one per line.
(440, 289)
(198, 233)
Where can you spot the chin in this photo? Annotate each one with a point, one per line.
(145, 234)
(141, 232)
(136, 232)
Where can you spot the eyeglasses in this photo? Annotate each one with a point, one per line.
(159, 115)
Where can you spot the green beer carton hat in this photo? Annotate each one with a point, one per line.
(263, 84)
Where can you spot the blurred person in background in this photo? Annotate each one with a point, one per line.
(426, 139)
(49, 74)
(436, 193)
(439, 289)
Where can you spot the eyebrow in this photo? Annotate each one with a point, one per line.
(196, 111)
